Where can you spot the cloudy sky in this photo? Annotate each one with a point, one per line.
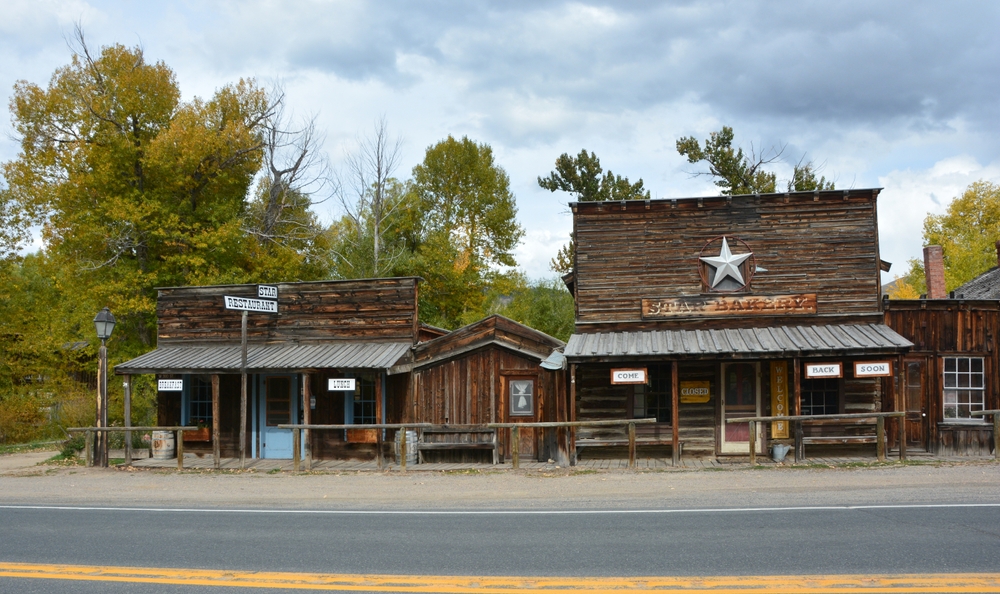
(900, 95)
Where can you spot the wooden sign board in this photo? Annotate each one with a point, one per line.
(249, 304)
(821, 370)
(779, 398)
(344, 384)
(729, 305)
(695, 392)
(267, 291)
(873, 369)
(170, 385)
(628, 376)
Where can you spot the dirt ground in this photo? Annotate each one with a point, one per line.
(25, 479)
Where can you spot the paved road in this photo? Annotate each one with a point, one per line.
(899, 520)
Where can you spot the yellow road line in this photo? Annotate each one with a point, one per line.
(791, 584)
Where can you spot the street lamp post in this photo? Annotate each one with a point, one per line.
(104, 322)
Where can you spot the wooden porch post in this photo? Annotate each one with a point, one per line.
(378, 419)
(216, 446)
(572, 414)
(128, 420)
(307, 416)
(675, 413)
(797, 405)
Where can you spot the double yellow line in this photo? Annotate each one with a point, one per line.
(799, 584)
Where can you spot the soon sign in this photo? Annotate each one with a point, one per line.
(628, 376)
(873, 369)
(824, 370)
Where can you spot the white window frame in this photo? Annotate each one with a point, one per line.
(959, 390)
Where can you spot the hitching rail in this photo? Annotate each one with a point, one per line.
(515, 433)
(799, 419)
(996, 428)
(296, 439)
(128, 436)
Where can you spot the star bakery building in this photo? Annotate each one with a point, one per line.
(697, 311)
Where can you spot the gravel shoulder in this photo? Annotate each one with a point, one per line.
(24, 481)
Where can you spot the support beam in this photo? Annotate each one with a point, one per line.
(572, 414)
(307, 416)
(128, 419)
(675, 413)
(800, 453)
(216, 444)
(379, 420)
(243, 390)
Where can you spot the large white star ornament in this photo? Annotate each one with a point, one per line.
(726, 264)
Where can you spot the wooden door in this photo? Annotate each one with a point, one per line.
(915, 388)
(522, 406)
(740, 398)
(278, 408)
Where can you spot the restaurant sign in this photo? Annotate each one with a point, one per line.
(821, 370)
(248, 304)
(695, 392)
(628, 376)
(873, 369)
(729, 305)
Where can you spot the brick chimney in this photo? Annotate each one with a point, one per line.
(934, 271)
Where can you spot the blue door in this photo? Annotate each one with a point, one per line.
(278, 407)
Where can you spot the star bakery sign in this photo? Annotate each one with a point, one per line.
(727, 276)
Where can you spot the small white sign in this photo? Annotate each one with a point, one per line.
(628, 376)
(173, 385)
(267, 292)
(340, 384)
(241, 303)
(814, 370)
(873, 369)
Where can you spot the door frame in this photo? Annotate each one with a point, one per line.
(738, 447)
(260, 409)
(921, 418)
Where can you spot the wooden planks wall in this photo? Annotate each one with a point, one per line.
(378, 309)
(825, 244)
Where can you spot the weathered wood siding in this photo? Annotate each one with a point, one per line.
(824, 243)
(378, 309)
(951, 327)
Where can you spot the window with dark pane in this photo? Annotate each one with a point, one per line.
(821, 396)
(364, 402)
(653, 400)
(963, 387)
(200, 402)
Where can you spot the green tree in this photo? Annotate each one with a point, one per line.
(583, 177)
(967, 233)
(462, 229)
(735, 172)
(544, 305)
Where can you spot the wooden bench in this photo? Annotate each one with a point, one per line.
(457, 439)
(592, 442)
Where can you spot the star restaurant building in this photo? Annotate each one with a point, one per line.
(697, 311)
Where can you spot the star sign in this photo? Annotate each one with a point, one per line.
(726, 264)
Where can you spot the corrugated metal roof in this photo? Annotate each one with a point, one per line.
(837, 338)
(201, 358)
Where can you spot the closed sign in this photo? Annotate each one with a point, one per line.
(873, 369)
(628, 376)
(340, 385)
(824, 370)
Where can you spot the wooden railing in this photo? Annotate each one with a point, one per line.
(128, 440)
(515, 434)
(996, 428)
(297, 437)
(799, 419)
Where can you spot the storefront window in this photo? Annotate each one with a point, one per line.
(200, 402)
(963, 387)
(821, 396)
(364, 402)
(653, 400)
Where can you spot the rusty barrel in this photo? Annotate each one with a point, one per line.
(164, 447)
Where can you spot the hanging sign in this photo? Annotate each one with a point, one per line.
(171, 385)
(340, 384)
(695, 392)
(873, 369)
(628, 376)
(820, 370)
(267, 292)
(779, 398)
(249, 304)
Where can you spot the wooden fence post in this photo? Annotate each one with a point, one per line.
(631, 445)
(88, 437)
(515, 447)
(296, 454)
(902, 437)
(180, 450)
(880, 438)
(996, 436)
(800, 449)
(402, 449)
(753, 443)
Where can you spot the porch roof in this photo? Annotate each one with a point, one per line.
(225, 358)
(771, 341)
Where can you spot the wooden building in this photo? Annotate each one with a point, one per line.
(696, 311)
(953, 368)
(489, 372)
(328, 352)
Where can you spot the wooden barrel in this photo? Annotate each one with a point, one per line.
(411, 445)
(164, 447)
